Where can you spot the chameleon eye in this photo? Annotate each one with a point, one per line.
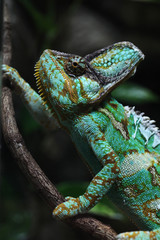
(75, 66)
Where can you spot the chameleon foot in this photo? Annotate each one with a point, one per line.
(67, 209)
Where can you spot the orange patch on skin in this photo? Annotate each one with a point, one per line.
(155, 176)
(115, 169)
(64, 91)
(150, 213)
(132, 235)
(113, 105)
(109, 158)
(72, 91)
(83, 93)
(133, 191)
(153, 235)
(102, 138)
(125, 124)
(91, 198)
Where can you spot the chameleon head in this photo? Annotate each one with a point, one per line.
(69, 82)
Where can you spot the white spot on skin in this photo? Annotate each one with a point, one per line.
(156, 141)
(146, 133)
(133, 163)
(136, 122)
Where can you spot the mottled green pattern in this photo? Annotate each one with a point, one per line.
(111, 61)
(121, 146)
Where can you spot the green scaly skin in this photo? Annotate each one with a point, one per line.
(121, 146)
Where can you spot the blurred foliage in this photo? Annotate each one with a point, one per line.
(46, 22)
(43, 22)
(135, 94)
(15, 220)
(28, 124)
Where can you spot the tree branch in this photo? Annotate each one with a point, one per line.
(27, 163)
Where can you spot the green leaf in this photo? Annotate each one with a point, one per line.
(134, 93)
(106, 209)
(15, 222)
(73, 189)
(28, 123)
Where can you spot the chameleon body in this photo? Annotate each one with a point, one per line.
(120, 145)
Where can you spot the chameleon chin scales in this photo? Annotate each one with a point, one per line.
(120, 145)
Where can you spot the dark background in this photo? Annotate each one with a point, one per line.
(78, 27)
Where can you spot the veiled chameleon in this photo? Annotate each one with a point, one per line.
(121, 145)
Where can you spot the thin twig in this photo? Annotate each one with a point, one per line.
(27, 163)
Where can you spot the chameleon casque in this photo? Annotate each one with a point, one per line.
(120, 145)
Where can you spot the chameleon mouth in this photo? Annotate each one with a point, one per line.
(40, 87)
